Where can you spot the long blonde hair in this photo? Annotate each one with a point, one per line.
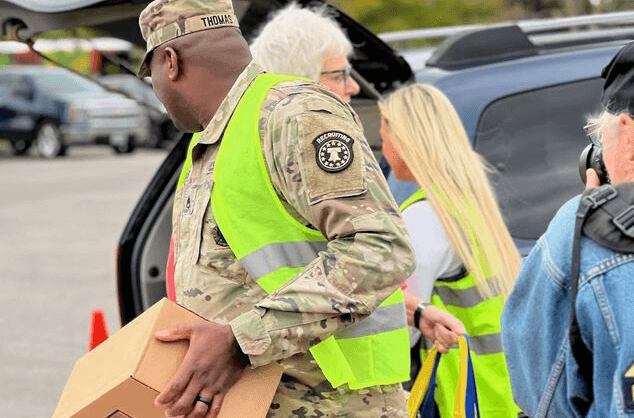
(428, 135)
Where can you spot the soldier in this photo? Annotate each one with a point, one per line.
(284, 231)
(308, 42)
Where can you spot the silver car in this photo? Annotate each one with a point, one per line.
(162, 130)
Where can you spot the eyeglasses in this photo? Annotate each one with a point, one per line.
(342, 75)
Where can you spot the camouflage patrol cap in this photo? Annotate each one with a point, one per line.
(164, 20)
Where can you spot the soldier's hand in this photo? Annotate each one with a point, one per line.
(441, 327)
(592, 179)
(212, 365)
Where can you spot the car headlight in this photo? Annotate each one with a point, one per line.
(76, 114)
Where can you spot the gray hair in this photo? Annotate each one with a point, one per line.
(296, 40)
(597, 124)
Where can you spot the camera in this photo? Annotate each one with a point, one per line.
(592, 157)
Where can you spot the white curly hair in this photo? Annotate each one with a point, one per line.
(596, 125)
(296, 40)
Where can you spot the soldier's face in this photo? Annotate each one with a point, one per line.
(160, 81)
(167, 82)
(335, 74)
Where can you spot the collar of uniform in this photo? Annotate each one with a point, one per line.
(212, 132)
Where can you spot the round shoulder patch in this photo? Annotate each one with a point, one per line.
(333, 151)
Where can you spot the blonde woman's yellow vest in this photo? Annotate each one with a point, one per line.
(481, 318)
(274, 248)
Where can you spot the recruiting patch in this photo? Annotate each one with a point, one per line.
(333, 151)
(628, 389)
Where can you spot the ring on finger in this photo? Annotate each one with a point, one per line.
(206, 401)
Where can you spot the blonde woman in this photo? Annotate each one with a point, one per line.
(466, 259)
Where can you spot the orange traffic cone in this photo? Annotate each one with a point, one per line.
(98, 329)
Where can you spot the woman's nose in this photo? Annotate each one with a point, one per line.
(352, 87)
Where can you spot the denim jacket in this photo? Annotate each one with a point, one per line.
(536, 320)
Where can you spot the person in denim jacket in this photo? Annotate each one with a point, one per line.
(547, 380)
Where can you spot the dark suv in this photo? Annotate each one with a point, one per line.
(522, 102)
(25, 117)
(523, 93)
(53, 108)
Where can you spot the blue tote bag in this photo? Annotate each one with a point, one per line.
(421, 399)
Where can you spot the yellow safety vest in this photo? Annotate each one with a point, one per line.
(274, 248)
(481, 318)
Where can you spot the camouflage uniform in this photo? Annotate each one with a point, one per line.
(369, 253)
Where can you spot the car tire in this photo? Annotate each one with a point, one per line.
(48, 141)
(125, 148)
(21, 146)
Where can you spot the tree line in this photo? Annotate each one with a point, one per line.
(391, 15)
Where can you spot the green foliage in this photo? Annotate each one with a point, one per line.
(70, 33)
(615, 5)
(390, 15)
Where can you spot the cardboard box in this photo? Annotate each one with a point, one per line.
(121, 377)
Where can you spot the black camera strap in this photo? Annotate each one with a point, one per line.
(589, 202)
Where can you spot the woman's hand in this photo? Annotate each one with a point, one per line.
(441, 327)
(436, 325)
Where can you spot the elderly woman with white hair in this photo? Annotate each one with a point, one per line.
(307, 43)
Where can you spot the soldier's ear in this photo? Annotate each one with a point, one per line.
(171, 63)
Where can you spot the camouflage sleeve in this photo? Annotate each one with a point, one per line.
(338, 188)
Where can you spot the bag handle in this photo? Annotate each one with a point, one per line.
(422, 394)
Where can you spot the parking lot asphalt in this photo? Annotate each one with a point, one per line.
(60, 221)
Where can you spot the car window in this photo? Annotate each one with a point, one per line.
(138, 89)
(22, 83)
(12, 83)
(533, 141)
(123, 84)
(6, 87)
(150, 98)
(66, 82)
(6, 80)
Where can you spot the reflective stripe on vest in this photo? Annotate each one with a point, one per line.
(481, 318)
(272, 257)
(274, 248)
